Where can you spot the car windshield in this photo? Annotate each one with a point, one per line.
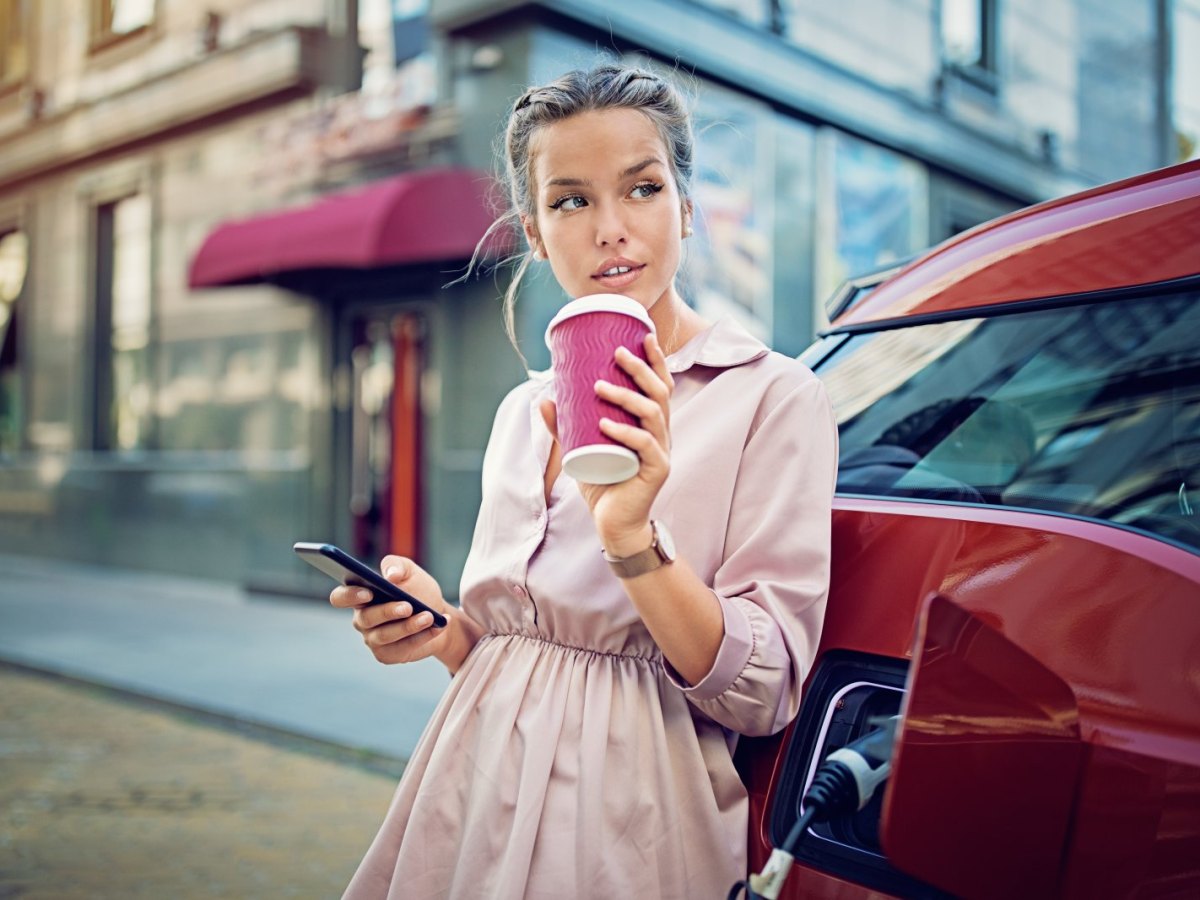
(1087, 410)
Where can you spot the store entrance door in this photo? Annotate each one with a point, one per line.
(385, 432)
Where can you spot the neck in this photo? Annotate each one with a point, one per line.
(675, 322)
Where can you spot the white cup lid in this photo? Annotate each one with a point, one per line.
(617, 303)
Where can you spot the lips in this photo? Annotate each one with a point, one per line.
(618, 272)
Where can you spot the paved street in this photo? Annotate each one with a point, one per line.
(105, 796)
(163, 737)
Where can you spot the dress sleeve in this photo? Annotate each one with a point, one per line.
(773, 581)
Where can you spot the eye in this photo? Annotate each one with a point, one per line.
(645, 190)
(569, 203)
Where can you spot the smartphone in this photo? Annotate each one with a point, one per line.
(344, 568)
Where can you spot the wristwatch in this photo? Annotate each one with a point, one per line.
(660, 552)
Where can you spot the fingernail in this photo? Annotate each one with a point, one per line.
(391, 571)
(364, 596)
(424, 619)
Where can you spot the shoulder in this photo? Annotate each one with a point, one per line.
(523, 393)
(775, 379)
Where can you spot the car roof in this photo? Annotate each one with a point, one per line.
(1138, 231)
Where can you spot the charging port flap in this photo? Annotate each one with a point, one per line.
(987, 766)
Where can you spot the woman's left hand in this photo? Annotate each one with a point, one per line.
(622, 511)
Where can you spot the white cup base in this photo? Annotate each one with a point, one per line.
(601, 464)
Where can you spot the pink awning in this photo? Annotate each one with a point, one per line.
(431, 215)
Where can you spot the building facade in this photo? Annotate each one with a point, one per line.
(226, 319)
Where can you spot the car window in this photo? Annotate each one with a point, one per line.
(1089, 410)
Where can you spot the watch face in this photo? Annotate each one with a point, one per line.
(666, 543)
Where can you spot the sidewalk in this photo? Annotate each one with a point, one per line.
(105, 796)
(292, 665)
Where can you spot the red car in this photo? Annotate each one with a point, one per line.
(1016, 564)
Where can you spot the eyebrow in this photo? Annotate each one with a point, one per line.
(583, 182)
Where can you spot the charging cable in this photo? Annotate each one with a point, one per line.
(844, 783)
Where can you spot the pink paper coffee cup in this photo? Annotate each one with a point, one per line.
(583, 339)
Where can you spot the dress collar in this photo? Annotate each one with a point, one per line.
(723, 345)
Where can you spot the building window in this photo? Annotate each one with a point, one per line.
(113, 19)
(14, 41)
(969, 40)
(1185, 85)
(14, 263)
(123, 317)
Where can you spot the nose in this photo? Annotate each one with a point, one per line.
(610, 225)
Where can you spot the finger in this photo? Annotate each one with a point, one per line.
(647, 446)
(629, 400)
(647, 378)
(396, 569)
(658, 361)
(398, 630)
(549, 413)
(346, 596)
(373, 616)
(653, 415)
(407, 650)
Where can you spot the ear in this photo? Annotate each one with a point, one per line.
(531, 235)
(687, 217)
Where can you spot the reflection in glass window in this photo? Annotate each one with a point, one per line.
(1088, 410)
(14, 263)
(874, 209)
(123, 318)
(728, 265)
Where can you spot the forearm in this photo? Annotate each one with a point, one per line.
(463, 634)
(679, 610)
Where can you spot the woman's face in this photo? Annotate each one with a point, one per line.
(607, 212)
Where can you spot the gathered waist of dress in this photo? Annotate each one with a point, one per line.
(653, 657)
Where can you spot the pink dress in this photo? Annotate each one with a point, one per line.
(567, 759)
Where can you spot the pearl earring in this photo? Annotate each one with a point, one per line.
(687, 231)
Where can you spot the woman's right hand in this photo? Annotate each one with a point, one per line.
(390, 630)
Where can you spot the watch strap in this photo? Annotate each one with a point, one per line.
(639, 563)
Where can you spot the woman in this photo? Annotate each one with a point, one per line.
(583, 748)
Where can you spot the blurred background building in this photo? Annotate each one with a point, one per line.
(230, 230)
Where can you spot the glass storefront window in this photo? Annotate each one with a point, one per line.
(728, 264)
(872, 208)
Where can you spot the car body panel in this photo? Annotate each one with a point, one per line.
(1141, 231)
(1114, 615)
